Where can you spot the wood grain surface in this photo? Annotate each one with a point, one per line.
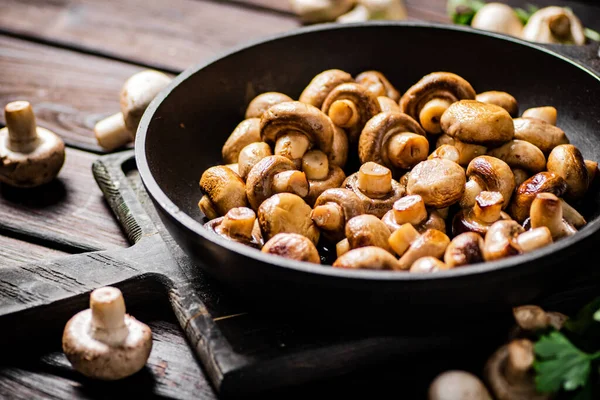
(14, 252)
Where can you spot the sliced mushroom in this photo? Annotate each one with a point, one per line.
(490, 174)
(427, 265)
(247, 131)
(286, 213)
(429, 98)
(498, 17)
(263, 101)
(458, 385)
(378, 84)
(320, 86)
(350, 106)
(224, 190)
(546, 210)
(447, 152)
(466, 151)
(374, 186)
(540, 133)
(526, 192)
(547, 114)
(370, 257)
(472, 121)
(30, 155)
(535, 238)
(292, 246)
(431, 243)
(566, 161)
(339, 151)
(501, 240)
(333, 208)
(401, 238)
(394, 140)
(439, 182)
(321, 175)
(521, 154)
(388, 105)
(367, 230)
(464, 249)
(501, 99)
(237, 225)
(250, 156)
(554, 25)
(486, 210)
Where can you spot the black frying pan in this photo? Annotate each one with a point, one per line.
(183, 130)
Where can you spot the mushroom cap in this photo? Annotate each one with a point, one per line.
(33, 168)
(379, 206)
(501, 240)
(437, 85)
(464, 249)
(367, 230)
(466, 151)
(373, 143)
(548, 114)
(295, 116)
(259, 181)
(334, 179)
(99, 360)
(249, 156)
(350, 204)
(439, 182)
(501, 99)
(498, 17)
(246, 132)
(339, 150)
(472, 121)
(292, 246)
(378, 84)
(540, 133)
(286, 213)
(566, 161)
(466, 221)
(522, 155)
(263, 101)
(386, 104)
(370, 257)
(458, 385)
(255, 240)
(538, 27)
(431, 243)
(224, 188)
(428, 265)
(493, 175)
(137, 93)
(366, 105)
(323, 83)
(543, 182)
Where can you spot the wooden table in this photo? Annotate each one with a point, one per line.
(69, 58)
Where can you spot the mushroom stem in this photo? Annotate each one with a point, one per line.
(328, 216)
(111, 132)
(401, 239)
(374, 180)
(431, 113)
(472, 190)
(238, 223)
(208, 208)
(571, 215)
(315, 165)
(488, 206)
(592, 168)
(546, 210)
(291, 182)
(534, 239)
(407, 149)
(410, 209)
(560, 25)
(22, 128)
(292, 145)
(344, 113)
(108, 315)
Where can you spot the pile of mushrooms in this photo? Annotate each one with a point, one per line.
(448, 176)
(317, 11)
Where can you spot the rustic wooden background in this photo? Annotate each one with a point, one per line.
(69, 58)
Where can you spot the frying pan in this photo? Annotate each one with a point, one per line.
(184, 128)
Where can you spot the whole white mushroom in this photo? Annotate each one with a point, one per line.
(498, 17)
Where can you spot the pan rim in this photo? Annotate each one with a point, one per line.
(186, 221)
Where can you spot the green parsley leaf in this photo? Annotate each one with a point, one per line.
(584, 318)
(524, 15)
(462, 11)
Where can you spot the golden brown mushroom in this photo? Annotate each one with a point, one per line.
(223, 190)
(274, 174)
(439, 182)
(378, 84)
(447, 152)
(431, 243)
(472, 121)
(521, 154)
(466, 151)
(566, 161)
(394, 140)
(250, 156)
(501, 240)
(333, 208)
(246, 132)
(286, 213)
(320, 174)
(238, 225)
(464, 249)
(339, 151)
(526, 192)
(292, 246)
(543, 135)
(546, 210)
(571, 215)
(342, 247)
(535, 238)
(532, 318)
(367, 230)
(401, 239)
(486, 210)
(501, 99)
(592, 167)
(429, 98)
(411, 209)
(263, 101)
(350, 106)
(547, 114)
(370, 257)
(520, 176)
(490, 174)
(386, 104)
(320, 86)
(374, 186)
(427, 265)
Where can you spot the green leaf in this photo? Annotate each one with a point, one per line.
(524, 15)
(462, 11)
(595, 36)
(584, 318)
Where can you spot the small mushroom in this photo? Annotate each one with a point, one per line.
(447, 152)
(535, 238)
(350, 106)
(428, 265)
(321, 175)
(521, 154)
(388, 105)
(429, 98)
(374, 186)
(370, 257)
(262, 102)
(540, 133)
(466, 151)
(554, 25)
(486, 211)
(431, 243)
(246, 132)
(333, 208)
(526, 192)
(546, 210)
(592, 167)
(292, 246)
(294, 128)
(411, 209)
(501, 99)
(315, 11)
(490, 174)
(274, 174)
(439, 182)
(531, 318)
(501, 240)
(250, 156)
(464, 249)
(103, 342)
(286, 213)
(566, 161)
(238, 225)
(401, 238)
(367, 230)
(223, 190)
(378, 85)
(339, 151)
(498, 17)
(547, 114)
(458, 385)
(394, 140)
(320, 86)
(472, 121)
(571, 215)
(30, 155)
(136, 94)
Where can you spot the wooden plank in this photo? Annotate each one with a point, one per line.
(169, 35)
(14, 252)
(69, 212)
